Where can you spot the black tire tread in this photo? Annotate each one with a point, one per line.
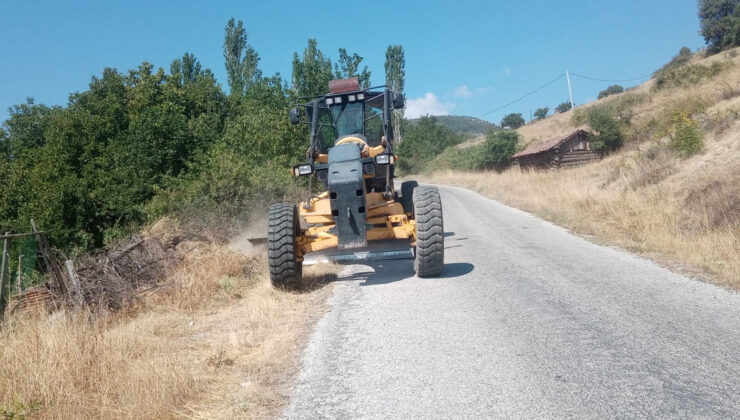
(282, 229)
(407, 196)
(429, 259)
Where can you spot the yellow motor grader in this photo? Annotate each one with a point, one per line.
(351, 154)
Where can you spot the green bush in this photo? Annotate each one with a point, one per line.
(493, 154)
(611, 90)
(686, 138)
(541, 113)
(608, 130)
(512, 121)
(563, 107)
(422, 142)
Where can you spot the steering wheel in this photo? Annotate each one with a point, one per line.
(352, 139)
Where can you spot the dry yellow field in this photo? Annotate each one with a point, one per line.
(216, 341)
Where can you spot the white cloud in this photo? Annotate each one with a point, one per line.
(428, 104)
(465, 92)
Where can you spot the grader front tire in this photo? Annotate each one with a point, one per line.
(430, 247)
(282, 229)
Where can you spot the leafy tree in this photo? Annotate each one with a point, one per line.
(611, 90)
(395, 79)
(512, 121)
(423, 141)
(563, 107)
(720, 23)
(348, 66)
(312, 72)
(498, 149)
(541, 113)
(241, 59)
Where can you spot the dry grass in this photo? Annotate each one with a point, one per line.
(685, 213)
(215, 341)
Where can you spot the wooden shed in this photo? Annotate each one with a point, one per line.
(570, 150)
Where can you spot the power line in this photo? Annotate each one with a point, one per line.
(524, 96)
(611, 81)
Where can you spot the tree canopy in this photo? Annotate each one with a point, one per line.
(512, 121)
(541, 113)
(720, 23)
(611, 90)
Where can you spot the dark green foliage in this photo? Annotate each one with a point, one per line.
(608, 130)
(493, 154)
(140, 144)
(395, 79)
(498, 149)
(563, 107)
(395, 68)
(611, 90)
(241, 59)
(422, 142)
(348, 66)
(720, 23)
(512, 121)
(311, 72)
(469, 126)
(541, 113)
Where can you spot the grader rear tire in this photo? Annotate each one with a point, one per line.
(430, 247)
(282, 229)
(407, 196)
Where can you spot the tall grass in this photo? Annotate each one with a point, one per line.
(636, 202)
(213, 341)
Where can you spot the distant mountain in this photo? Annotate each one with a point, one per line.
(470, 126)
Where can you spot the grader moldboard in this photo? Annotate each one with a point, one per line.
(351, 154)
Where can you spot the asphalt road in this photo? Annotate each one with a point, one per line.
(528, 321)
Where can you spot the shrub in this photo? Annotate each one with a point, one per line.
(498, 149)
(512, 121)
(686, 139)
(541, 113)
(608, 130)
(563, 107)
(422, 142)
(679, 60)
(611, 90)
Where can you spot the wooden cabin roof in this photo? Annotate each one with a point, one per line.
(544, 146)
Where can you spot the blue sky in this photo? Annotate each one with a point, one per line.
(462, 57)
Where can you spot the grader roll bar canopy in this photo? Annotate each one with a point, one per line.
(359, 215)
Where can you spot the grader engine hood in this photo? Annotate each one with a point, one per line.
(347, 196)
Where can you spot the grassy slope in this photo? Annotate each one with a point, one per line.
(215, 341)
(684, 213)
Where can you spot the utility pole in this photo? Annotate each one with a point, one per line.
(570, 90)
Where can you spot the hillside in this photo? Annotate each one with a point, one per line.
(681, 211)
(469, 126)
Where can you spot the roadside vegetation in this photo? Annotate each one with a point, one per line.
(170, 156)
(668, 187)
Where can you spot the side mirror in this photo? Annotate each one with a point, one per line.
(398, 100)
(295, 116)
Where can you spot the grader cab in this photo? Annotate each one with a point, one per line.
(351, 154)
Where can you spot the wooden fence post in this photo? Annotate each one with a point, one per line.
(78, 297)
(4, 279)
(52, 266)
